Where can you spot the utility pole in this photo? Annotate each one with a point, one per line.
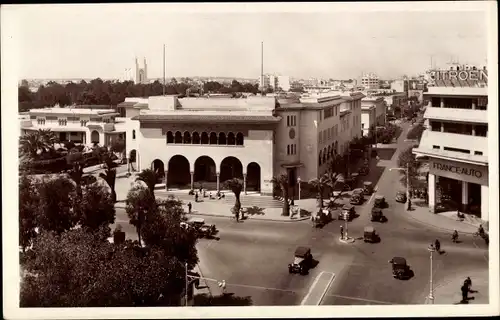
(408, 185)
(164, 69)
(262, 67)
(431, 286)
(187, 285)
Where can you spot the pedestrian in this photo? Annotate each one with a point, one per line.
(454, 237)
(189, 207)
(465, 292)
(196, 197)
(341, 232)
(468, 281)
(437, 245)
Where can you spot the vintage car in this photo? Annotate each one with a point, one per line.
(321, 217)
(379, 202)
(364, 170)
(356, 199)
(401, 196)
(370, 235)
(374, 153)
(367, 188)
(202, 230)
(302, 261)
(377, 215)
(347, 212)
(400, 269)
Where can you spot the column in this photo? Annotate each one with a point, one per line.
(465, 195)
(128, 164)
(245, 183)
(441, 104)
(192, 180)
(442, 126)
(218, 181)
(166, 180)
(473, 130)
(432, 192)
(473, 104)
(485, 203)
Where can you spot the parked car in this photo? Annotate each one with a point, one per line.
(367, 188)
(356, 199)
(347, 212)
(379, 202)
(401, 196)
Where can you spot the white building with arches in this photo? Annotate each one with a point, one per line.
(193, 142)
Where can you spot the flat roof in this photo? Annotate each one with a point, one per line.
(80, 111)
(207, 118)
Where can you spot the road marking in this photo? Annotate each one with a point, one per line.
(314, 285)
(359, 299)
(371, 198)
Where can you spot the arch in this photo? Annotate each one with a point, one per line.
(133, 134)
(213, 138)
(253, 176)
(329, 155)
(170, 137)
(159, 168)
(336, 149)
(222, 138)
(324, 155)
(132, 156)
(94, 137)
(187, 137)
(196, 138)
(230, 167)
(320, 161)
(178, 137)
(287, 149)
(204, 138)
(239, 139)
(178, 175)
(231, 140)
(205, 171)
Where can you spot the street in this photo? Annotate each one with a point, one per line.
(252, 256)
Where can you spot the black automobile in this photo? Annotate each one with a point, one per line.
(302, 261)
(400, 269)
(401, 196)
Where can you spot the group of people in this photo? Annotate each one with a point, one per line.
(219, 195)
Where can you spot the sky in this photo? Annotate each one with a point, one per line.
(88, 41)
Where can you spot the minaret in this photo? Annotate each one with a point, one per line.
(145, 71)
(136, 77)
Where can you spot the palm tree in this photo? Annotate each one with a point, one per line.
(282, 182)
(149, 177)
(49, 137)
(332, 178)
(236, 186)
(320, 184)
(30, 144)
(109, 174)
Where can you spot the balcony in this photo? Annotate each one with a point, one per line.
(457, 115)
(108, 127)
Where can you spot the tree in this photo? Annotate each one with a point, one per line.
(162, 229)
(109, 175)
(320, 184)
(55, 211)
(34, 143)
(28, 208)
(282, 182)
(150, 178)
(82, 269)
(75, 159)
(236, 186)
(140, 204)
(407, 158)
(416, 132)
(97, 208)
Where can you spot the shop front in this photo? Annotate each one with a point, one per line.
(463, 186)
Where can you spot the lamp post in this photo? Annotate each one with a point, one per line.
(298, 181)
(187, 285)
(431, 249)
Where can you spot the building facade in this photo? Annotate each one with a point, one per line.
(85, 126)
(456, 146)
(370, 81)
(275, 82)
(373, 113)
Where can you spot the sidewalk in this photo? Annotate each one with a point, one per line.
(217, 209)
(445, 221)
(448, 291)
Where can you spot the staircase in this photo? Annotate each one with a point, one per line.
(246, 200)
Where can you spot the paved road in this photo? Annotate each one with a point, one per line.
(252, 256)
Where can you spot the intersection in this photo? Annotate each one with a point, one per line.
(252, 255)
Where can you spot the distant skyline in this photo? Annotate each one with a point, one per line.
(90, 41)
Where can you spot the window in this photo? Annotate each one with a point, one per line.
(329, 112)
(329, 133)
(478, 153)
(133, 134)
(288, 149)
(83, 123)
(291, 149)
(63, 122)
(456, 150)
(319, 137)
(287, 121)
(482, 103)
(41, 121)
(481, 130)
(436, 147)
(435, 126)
(362, 126)
(291, 121)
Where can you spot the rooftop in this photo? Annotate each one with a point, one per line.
(457, 91)
(210, 118)
(79, 111)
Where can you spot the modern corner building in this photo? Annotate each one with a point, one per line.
(456, 143)
(373, 113)
(192, 141)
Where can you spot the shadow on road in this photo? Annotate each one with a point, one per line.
(385, 153)
(254, 211)
(374, 176)
(228, 299)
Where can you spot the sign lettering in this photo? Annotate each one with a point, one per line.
(459, 170)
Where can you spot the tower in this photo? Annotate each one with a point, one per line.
(141, 72)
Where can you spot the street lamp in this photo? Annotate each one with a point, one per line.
(298, 181)
(431, 249)
(407, 170)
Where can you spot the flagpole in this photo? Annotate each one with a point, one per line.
(262, 67)
(164, 80)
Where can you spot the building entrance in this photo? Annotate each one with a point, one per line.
(454, 195)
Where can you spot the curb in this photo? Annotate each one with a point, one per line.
(194, 212)
(436, 227)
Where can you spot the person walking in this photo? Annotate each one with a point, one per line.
(437, 245)
(454, 236)
(468, 282)
(465, 293)
(189, 207)
(196, 197)
(341, 232)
